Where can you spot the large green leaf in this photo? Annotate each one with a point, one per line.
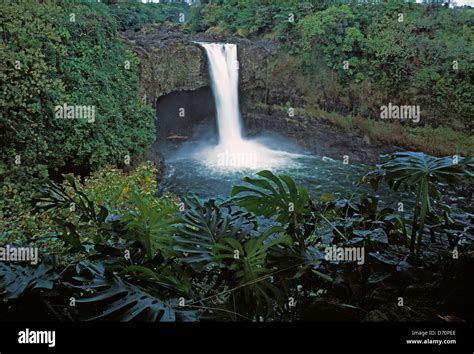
(420, 173)
(122, 301)
(205, 224)
(271, 195)
(53, 197)
(411, 168)
(248, 262)
(150, 224)
(16, 279)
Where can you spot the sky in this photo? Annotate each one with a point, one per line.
(465, 2)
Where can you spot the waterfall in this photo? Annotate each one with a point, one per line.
(224, 72)
(233, 151)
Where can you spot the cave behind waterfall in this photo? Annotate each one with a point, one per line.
(184, 112)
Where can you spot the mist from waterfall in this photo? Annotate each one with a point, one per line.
(232, 151)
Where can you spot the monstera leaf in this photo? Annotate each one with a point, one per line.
(248, 262)
(271, 195)
(122, 301)
(53, 196)
(420, 173)
(295, 262)
(414, 168)
(150, 225)
(203, 225)
(16, 279)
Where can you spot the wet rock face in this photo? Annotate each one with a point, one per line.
(170, 61)
(316, 135)
(175, 79)
(168, 64)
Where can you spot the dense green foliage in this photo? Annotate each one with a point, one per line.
(421, 173)
(66, 53)
(409, 60)
(161, 259)
(134, 15)
(249, 18)
(123, 253)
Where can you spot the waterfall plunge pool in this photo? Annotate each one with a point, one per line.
(191, 169)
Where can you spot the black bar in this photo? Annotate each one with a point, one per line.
(237, 337)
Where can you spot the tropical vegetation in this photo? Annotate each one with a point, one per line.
(113, 248)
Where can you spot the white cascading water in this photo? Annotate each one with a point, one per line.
(224, 70)
(233, 151)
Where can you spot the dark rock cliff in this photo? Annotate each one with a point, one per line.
(170, 61)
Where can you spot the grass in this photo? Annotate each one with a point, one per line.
(346, 123)
(443, 140)
(440, 141)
